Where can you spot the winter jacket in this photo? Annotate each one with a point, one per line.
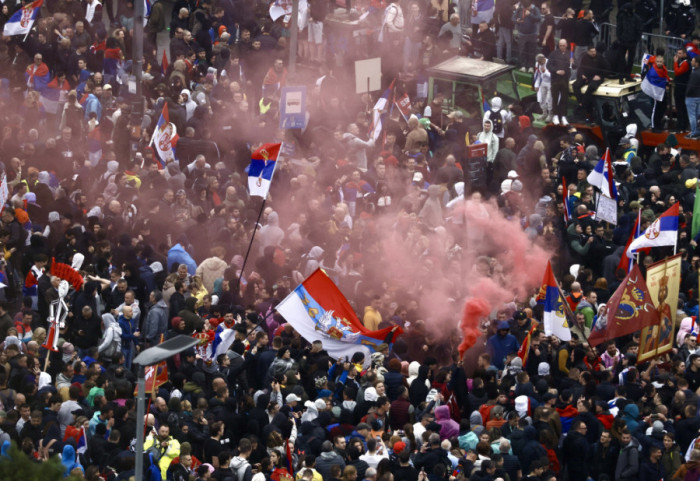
(156, 322)
(210, 270)
(178, 255)
(242, 469)
(326, 460)
(575, 449)
(450, 428)
(531, 450)
(651, 471)
(627, 467)
(500, 346)
(111, 337)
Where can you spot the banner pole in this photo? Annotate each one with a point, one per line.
(250, 245)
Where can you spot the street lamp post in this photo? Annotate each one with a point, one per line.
(149, 357)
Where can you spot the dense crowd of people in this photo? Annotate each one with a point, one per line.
(160, 250)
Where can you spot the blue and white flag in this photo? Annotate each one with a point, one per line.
(23, 19)
(602, 176)
(662, 232)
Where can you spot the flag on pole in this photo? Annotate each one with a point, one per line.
(565, 195)
(165, 138)
(262, 168)
(164, 63)
(21, 22)
(696, 213)
(318, 311)
(378, 113)
(524, 350)
(556, 322)
(662, 232)
(51, 342)
(404, 106)
(625, 261)
(602, 176)
(156, 376)
(629, 309)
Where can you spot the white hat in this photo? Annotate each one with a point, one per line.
(291, 397)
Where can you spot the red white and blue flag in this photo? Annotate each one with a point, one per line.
(555, 307)
(21, 22)
(318, 311)
(655, 80)
(78, 434)
(662, 232)
(565, 196)
(602, 176)
(165, 138)
(262, 168)
(379, 112)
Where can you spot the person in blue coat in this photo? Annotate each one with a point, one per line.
(69, 461)
(501, 344)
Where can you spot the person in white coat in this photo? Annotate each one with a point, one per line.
(543, 87)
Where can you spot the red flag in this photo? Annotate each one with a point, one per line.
(524, 350)
(629, 309)
(51, 342)
(164, 63)
(156, 376)
(626, 262)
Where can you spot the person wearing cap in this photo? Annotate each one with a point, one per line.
(501, 344)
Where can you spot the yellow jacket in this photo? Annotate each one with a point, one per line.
(167, 456)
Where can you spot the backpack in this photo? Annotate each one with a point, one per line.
(496, 122)
(153, 471)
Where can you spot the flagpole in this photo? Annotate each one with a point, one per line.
(250, 245)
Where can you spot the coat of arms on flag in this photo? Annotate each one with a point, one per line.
(318, 311)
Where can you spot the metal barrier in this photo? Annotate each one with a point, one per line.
(649, 43)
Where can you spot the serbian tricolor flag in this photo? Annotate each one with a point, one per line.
(262, 168)
(662, 232)
(78, 435)
(20, 23)
(602, 176)
(556, 311)
(655, 81)
(318, 311)
(379, 111)
(165, 138)
(565, 195)
(94, 145)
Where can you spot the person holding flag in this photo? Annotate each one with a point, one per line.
(602, 176)
(165, 138)
(655, 84)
